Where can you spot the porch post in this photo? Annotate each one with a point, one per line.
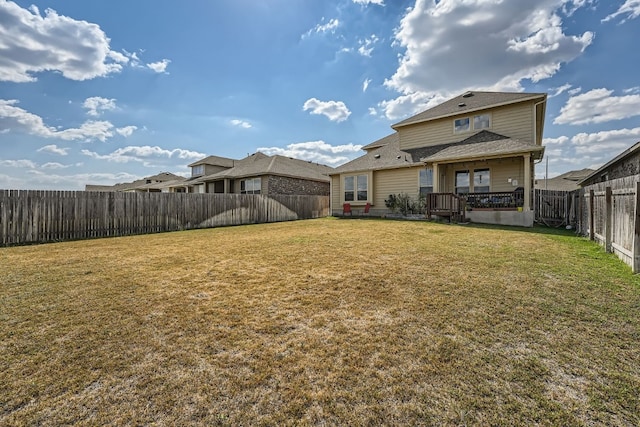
(436, 178)
(527, 182)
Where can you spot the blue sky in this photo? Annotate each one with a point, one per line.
(100, 92)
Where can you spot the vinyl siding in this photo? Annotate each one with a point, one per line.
(336, 198)
(394, 181)
(514, 121)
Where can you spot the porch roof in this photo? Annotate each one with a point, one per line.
(506, 147)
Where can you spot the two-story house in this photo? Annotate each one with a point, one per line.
(480, 147)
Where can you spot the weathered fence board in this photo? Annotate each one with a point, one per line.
(556, 208)
(611, 217)
(29, 216)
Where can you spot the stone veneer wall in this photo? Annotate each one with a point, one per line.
(296, 186)
(627, 167)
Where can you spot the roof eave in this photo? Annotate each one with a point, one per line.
(485, 156)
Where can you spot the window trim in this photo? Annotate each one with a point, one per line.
(488, 169)
(253, 180)
(455, 180)
(420, 186)
(354, 176)
(472, 123)
(197, 170)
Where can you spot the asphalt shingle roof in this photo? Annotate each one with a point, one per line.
(465, 103)
(260, 164)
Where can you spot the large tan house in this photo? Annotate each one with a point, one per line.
(479, 147)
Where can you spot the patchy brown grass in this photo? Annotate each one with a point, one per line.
(321, 322)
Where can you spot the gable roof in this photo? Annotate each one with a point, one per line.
(469, 102)
(258, 164)
(161, 177)
(380, 142)
(626, 153)
(479, 150)
(214, 161)
(568, 181)
(386, 156)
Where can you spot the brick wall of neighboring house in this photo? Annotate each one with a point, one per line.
(627, 167)
(296, 186)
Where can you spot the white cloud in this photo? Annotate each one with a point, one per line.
(96, 105)
(143, 154)
(241, 123)
(366, 2)
(22, 164)
(365, 84)
(444, 54)
(54, 149)
(631, 8)
(16, 119)
(126, 131)
(33, 43)
(323, 28)
(316, 151)
(373, 111)
(405, 105)
(606, 142)
(598, 106)
(561, 140)
(366, 45)
(336, 111)
(160, 66)
(559, 90)
(54, 165)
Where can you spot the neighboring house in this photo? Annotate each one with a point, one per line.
(624, 164)
(162, 182)
(259, 173)
(480, 146)
(568, 181)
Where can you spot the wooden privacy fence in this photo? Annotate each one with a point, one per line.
(556, 208)
(611, 216)
(31, 216)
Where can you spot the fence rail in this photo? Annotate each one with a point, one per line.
(31, 216)
(610, 215)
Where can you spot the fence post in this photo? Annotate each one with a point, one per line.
(591, 215)
(608, 218)
(636, 235)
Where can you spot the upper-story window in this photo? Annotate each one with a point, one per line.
(481, 121)
(197, 170)
(464, 124)
(461, 125)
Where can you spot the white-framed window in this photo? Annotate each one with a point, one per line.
(462, 182)
(250, 186)
(461, 125)
(356, 188)
(197, 170)
(481, 180)
(426, 181)
(479, 122)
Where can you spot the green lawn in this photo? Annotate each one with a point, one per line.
(320, 322)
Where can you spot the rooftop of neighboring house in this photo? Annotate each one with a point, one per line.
(568, 181)
(469, 102)
(154, 179)
(215, 161)
(258, 164)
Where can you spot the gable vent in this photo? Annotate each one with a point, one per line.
(467, 95)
